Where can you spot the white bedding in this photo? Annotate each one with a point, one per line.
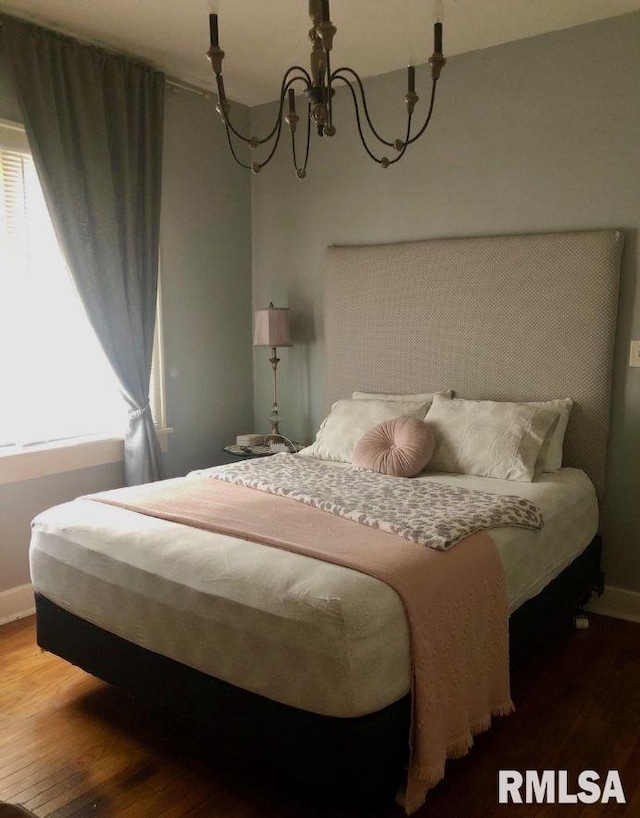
(306, 633)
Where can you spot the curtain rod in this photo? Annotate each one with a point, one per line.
(180, 85)
(172, 82)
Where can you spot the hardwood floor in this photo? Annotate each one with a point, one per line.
(72, 746)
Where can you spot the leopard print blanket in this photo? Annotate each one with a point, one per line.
(426, 513)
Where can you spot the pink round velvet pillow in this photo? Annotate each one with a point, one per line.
(401, 447)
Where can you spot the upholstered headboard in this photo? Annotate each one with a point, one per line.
(500, 318)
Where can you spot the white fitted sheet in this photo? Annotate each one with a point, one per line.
(303, 632)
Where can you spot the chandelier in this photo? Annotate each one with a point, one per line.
(319, 84)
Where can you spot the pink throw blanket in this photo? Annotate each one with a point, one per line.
(455, 602)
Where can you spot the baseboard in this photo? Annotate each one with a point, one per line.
(16, 603)
(618, 603)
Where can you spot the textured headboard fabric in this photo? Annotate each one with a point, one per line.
(514, 318)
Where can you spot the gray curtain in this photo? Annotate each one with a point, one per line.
(95, 122)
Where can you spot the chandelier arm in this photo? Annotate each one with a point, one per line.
(428, 119)
(274, 148)
(405, 144)
(302, 169)
(297, 79)
(365, 107)
(306, 154)
(358, 121)
(230, 127)
(233, 153)
(303, 71)
(257, 166)
(278, 128)
(283, 89)
(285, 85)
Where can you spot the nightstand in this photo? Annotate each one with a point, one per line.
(247, 452)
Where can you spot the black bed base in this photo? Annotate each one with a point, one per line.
(369, 753)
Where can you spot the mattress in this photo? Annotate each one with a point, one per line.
(306, 633)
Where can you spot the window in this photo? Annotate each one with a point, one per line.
(55, 381)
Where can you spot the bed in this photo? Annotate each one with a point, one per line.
(289, 658)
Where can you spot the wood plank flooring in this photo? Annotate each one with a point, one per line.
(72, 746)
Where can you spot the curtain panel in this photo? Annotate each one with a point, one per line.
(94, 121)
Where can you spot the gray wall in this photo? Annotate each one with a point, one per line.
(537, 135)
(206, 275)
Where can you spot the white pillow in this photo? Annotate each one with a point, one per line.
(488, 438)
(550, 457)
(350, 419)
(424, 397)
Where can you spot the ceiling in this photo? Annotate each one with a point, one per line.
(262, 38)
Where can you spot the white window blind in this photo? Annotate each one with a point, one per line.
(55, 381)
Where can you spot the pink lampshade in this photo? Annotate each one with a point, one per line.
(271, 327)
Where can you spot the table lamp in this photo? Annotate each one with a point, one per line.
(271, 329)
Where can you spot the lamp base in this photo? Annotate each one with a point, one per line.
(274, 435)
